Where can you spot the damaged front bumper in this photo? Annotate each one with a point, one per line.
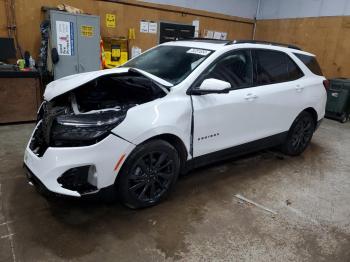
(76, 171)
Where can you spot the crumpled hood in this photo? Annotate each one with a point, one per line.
(68, 83)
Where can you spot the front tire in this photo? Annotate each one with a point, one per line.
(149, 174)
(299, 135)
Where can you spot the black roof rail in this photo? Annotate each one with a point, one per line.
(263, 42)
(203, 39)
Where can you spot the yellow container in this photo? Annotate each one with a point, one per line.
(116, 51)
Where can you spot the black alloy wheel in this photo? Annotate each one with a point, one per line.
(299, 135)
(149, 174)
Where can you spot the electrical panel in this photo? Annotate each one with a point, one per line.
(75, 42)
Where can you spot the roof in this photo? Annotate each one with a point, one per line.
(210, 44)
(216, 44)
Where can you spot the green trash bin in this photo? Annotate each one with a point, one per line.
(338, 99)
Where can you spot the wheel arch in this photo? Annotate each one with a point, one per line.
(313, 113)
(176, 142)
(309, 110)
(173, 140)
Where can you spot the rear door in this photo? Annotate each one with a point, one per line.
(278, 92)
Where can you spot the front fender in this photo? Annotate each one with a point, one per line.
(168, 115)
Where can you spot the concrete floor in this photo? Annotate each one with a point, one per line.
(201, 220)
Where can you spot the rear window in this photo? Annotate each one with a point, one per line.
(311, 63)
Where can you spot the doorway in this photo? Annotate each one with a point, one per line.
(171, 32)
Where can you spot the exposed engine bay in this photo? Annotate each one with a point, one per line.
(87, 114)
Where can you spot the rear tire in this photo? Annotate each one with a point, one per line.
(149, 174)
(299, 135)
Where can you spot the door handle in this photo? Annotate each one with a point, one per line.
(299, 88)
(250, 97)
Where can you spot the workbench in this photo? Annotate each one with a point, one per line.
(20, 96)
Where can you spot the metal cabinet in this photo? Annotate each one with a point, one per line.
(77, 41)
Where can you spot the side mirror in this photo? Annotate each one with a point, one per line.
(212, 86)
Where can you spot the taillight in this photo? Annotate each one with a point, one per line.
(326, 84)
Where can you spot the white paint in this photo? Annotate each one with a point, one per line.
(280, 9)
(56, 161)
(235, 117)
(70, 82)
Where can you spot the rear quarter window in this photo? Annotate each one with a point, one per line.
(311, 63)
(274, 67)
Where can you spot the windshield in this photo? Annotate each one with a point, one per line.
(171, 63)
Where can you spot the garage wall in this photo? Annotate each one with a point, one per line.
(129, 14)
(246, 8)
(327, 36)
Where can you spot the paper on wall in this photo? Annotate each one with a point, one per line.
(209, 34)
(223, 36)
(144, 26)
(217, 35)
(111, 20)
(152, 27)
(195, 23)
(65, 38)
(135, 51)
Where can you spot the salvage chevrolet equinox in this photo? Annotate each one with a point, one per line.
(177, 106)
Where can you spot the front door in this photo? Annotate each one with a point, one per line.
(222, 121)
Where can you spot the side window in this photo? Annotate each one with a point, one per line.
(293, 70)
(235, 68)
(274, 67)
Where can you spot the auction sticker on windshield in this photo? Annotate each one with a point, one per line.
(198, 51)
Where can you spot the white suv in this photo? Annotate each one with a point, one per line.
(175, 107)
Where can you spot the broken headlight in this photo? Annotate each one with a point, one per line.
(84, 129)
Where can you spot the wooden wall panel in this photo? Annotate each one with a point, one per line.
(19, 99)
(29, 17)
(3, 21)
(326, 37)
